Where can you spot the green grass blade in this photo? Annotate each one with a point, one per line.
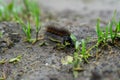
(77, 45)
(28, 30)
(111, 31)
(74, 39)
(106, 33)
(98, 30)
(83, 46)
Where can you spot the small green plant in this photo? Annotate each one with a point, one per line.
(5, 11)
(114, 33)
(84, 52)
(33, 9)
(8, 11)
(102, 35)
(26, 29)
(109, 34)
(98, 30)
(79, 55)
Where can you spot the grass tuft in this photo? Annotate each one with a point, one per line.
(80, 55)
(109, 34)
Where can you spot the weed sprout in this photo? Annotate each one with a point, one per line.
(109, 34)
(79, 55)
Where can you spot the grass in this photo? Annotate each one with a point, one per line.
(26, 29)
(11, 11)
(84, 52)
(8, 11)
(33, 9)
(102, 35)
(80, 54)
(114, 33)
(109, 34)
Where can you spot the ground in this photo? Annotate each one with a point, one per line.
(44, 62)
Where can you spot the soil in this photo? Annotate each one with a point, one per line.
(44, 62)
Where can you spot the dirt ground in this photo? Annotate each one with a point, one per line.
(44, 62)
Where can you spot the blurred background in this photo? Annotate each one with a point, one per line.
(78, 5)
